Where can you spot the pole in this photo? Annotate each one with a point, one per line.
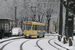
(39, 18)
(66, 23)
(55, 27)
(21, 24)
(15, 15)
(61, 18)
(48, 26)
(48, 23)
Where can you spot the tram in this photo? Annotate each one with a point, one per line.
(34, 29)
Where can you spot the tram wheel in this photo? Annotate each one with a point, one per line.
(43, 35)
(37, 36)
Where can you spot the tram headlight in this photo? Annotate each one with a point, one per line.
(27, 34)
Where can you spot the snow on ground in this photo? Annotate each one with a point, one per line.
(1, 45)
(30, 45)
(3, 39)
(52, 34)
(64, 45)
(45, 45)
(52, 42)
(67, 44)
(15, 45)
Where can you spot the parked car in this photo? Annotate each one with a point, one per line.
(16, 31)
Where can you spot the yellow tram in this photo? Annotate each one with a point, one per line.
(34, 29)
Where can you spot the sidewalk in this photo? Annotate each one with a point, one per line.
(60, 43)
(66, 46)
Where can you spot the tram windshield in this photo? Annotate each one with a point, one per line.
(28, 27)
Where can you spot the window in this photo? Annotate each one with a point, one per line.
(38, 28)
(35, 27)
(28, 27)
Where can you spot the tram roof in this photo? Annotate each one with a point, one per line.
(35, 23)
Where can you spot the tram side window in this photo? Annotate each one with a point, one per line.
(35, 27)
(42, 27)
(39, 27)
(28, 27)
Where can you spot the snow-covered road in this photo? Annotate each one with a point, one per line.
(30, 44)
(15, 45)
(43, 43)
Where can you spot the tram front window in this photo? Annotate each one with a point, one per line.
(28, 27)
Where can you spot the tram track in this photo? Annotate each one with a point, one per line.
(29, 40)
(56, 45)
(50, 42)
(4, 45)
(61, 46)
(53, 45)
(22, 44)
(7, 44)
(10, 39)
(38, 44)
(19, 38)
